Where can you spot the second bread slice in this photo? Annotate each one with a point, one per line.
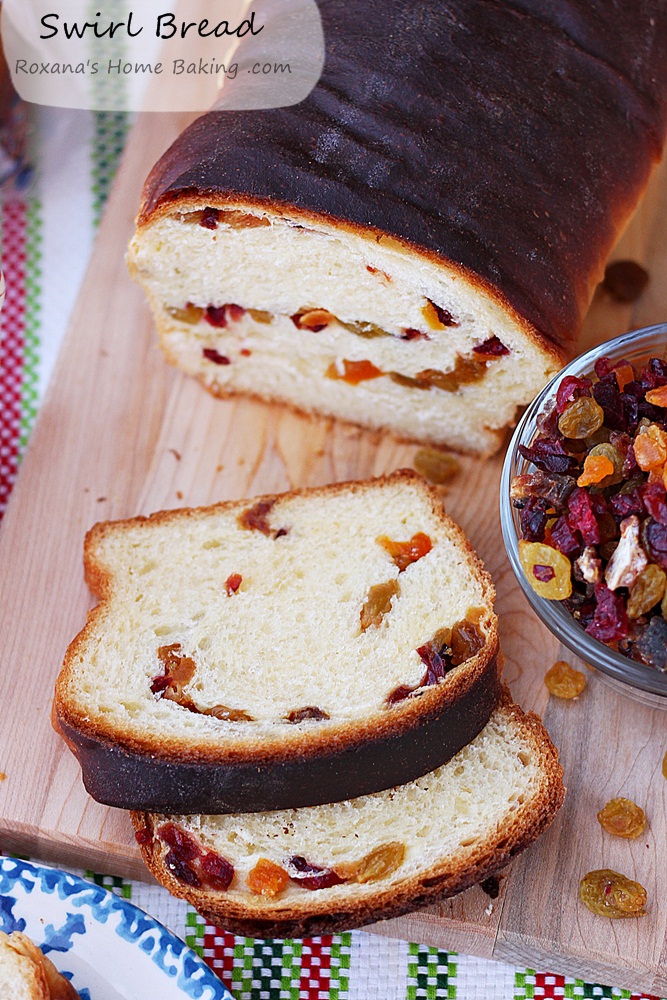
(279, 652)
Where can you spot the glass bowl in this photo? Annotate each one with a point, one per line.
(637, 680)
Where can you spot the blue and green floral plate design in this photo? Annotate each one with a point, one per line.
(105, 946)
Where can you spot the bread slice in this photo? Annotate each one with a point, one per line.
(414, 246)
(311, 658)
(370, 858)
(27, 974)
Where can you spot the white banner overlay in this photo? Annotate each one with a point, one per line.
(163, 55)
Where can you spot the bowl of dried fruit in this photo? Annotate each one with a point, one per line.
(584, 510)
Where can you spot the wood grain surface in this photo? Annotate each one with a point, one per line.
(121, 434)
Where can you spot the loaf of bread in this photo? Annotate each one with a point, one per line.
(27, 974)
(332, 867)
(414, 246)
(279, 652)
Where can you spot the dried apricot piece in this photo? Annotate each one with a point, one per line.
(622, 818)
(435, 465)
(383, 861)
(650, 448)
(378, 604)
(657, 397)
(610, 894)
(313, 320)
(664, 766)
(267, 878)
(581, 418)
(406, 553)
(549, 572)
(596, 468)
(625, 373)
(353, 372)
(647, 590)
(564, 681)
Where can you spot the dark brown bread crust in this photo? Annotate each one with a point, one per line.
(132, 770)
(508, 138)
(447, 878)
(117, 777)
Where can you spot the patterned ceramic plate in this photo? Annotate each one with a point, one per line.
(107, 947)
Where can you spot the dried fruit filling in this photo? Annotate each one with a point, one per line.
(593, 506)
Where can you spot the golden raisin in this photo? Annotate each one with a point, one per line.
(465, 372)
(647, 590)
(378, 604)
(657, 397)
(378, 864)
(466, 641)
(596, 468)
(622, 818)
(267, 878)
(435, 465)
(188, 314)
(260, 316)
(406, 553)
(548, 570)
(564, 681)
(609, 894)
(581, 418)
(354, 372)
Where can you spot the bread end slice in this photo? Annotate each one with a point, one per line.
(27, 974)
(375, 857)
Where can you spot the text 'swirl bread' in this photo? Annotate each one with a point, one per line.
(27, 974)
(414, 246)
(332, 867)
(279, 652)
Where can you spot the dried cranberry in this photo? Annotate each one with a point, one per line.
(610, 622)
(565, 539)
(211, 354)
(534, 519)
(235, 313)
(399, 694)
(658, 368)
(309, 714)
(160, 683)
(321, 878)
(651, 647)
(571, 388)
(623, 505)
(217, 316)
(630, 466)
(549, 455)
(411, 334)
(437, 660)
(584, 510)
(143, 836)
(654, 537)
(181, 870)
(181, 842)
(444, 315)
(608, 396)
(547, 422)
(233, 583)
(492, 348)
(210, 218)
(217, 872)
(655, 501)
(603, 366)
(543, 573)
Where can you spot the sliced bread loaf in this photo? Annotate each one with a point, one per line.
(333, 867)
(27, 974)
(414, 246)
(319, 645)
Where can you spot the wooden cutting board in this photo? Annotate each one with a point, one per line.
(120, 434)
